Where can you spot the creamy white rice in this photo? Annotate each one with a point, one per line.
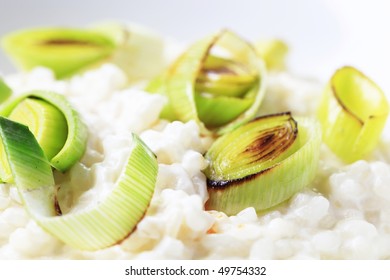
(343, 214)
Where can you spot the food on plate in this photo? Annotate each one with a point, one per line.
(219, 82)
(5, 91)
(353, 112)
(67, 51)
(63, 50)
(262, 163)
(215, 154)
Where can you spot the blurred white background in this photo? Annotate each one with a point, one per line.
(323, 34)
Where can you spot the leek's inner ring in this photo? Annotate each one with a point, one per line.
(45, 121)
(253, 148)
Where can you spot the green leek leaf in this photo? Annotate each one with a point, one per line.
(55, 118)
(273, 52)
(221, 71)
(104, 225)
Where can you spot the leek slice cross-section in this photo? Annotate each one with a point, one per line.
(56, 125)
(262, 163)
(352, 112)
(106, 224)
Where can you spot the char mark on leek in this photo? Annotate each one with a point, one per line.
(66, 42)
(222, 184)
(273, 141)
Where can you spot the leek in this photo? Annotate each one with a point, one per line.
(68, 51)
(45, 121)
(352, 112)
(273, 52)
(219, 82)
(54, 122)
(262, 163)
(106, 224)
(139, 52)
(5, 91)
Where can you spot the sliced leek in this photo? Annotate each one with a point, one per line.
(5, 91)
(225, 77)
(106, 224)
(219, 82)
(262, 163)
(273, 52)
(64, 50)
(352, 112)
(54, 122)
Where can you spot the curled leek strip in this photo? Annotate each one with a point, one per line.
(352, 112)
(262, 163)
(56, 125)
(64, 50)
(106, 224)
(5, 91)
(219, 82)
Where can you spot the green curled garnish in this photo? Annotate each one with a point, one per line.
(352, 112)
(219, 82)
(106, 224)
(262, 163)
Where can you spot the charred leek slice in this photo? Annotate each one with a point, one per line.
(64, 50)
(106, 224)
(353, 112)
(219, 82)
(262, 163)
(56, 125)
(5, 91)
